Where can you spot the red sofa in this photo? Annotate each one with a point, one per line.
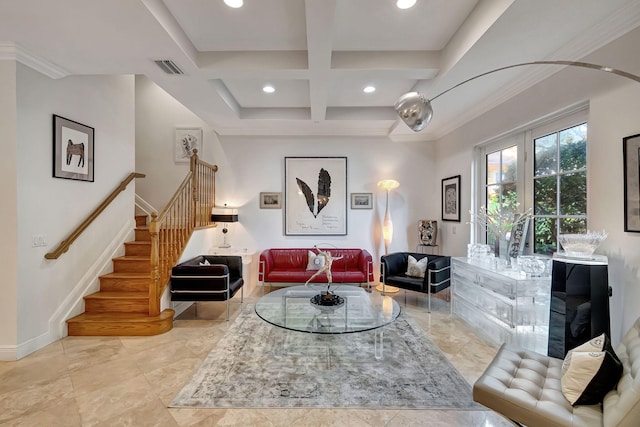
(289, 265)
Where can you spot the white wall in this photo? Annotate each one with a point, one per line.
(249, 166)
(8, 210)
(612, 117)
(54, 207)
(157, 116)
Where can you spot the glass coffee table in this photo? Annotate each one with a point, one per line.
(292, 308)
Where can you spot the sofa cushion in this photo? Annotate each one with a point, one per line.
(316, 262)
(524, 386)
(590, 371)
(416, 268)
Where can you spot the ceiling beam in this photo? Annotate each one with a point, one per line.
(320, 17)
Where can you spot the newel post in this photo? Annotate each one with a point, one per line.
(154, 288)
(194, 188)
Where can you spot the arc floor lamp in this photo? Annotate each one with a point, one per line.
(415, 109)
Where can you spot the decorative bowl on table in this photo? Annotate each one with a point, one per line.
(581, 245)
(533, 265)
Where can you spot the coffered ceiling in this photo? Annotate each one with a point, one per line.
(318, 55)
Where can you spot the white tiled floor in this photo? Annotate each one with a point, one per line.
(129, 381)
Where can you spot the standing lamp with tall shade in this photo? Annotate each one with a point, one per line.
(387, 228)
(224, 215)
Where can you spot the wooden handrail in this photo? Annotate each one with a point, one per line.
(66, 243)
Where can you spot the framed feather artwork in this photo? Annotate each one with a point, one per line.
(315, 197)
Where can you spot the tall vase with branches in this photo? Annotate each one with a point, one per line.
(498, 221)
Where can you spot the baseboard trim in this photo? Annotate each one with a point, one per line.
(180, 306)
(8, 353)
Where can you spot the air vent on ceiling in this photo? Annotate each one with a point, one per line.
(168, 66)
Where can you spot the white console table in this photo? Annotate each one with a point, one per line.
(503, 305)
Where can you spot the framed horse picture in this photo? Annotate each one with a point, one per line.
(72, 150)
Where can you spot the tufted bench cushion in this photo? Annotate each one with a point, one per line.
(524, 386)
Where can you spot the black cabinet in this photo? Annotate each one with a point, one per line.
(579, 303)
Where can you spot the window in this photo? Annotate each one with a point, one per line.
(542, 167)
(501, 181)
(559, 186)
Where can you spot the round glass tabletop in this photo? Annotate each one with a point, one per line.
(292, 308)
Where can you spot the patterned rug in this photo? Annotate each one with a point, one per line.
(257, 365)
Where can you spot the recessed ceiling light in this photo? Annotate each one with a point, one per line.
(233, 3)
(369, 89)
(405, 4)
(268, 89)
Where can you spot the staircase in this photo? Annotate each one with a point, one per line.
(121, 307)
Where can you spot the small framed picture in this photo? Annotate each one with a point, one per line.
(361, 200)
(451, 199)
(72, 150)
(270, 200)
(187, 140)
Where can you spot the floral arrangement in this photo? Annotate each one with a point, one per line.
(499, 220)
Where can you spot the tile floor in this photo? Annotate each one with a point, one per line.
(129, 381)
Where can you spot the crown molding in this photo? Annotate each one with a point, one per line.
(13, 52)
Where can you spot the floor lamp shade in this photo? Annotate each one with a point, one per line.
(387, 227)
(387, 224)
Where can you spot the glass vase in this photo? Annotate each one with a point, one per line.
(503, 252)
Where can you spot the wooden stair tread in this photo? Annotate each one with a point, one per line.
(119, 295)
(121, 307)
(133, 258)
(121, 317)
(127, 275)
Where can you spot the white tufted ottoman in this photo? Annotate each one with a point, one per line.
(524, 386)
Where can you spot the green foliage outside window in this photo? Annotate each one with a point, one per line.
(560, 186)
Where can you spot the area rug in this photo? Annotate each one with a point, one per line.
(257, 365)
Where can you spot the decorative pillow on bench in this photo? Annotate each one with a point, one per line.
(590, 371)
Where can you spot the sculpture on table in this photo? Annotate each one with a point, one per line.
(428, 231)
(327, 297)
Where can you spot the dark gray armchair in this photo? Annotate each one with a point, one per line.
(218, 281)
(393, 268)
